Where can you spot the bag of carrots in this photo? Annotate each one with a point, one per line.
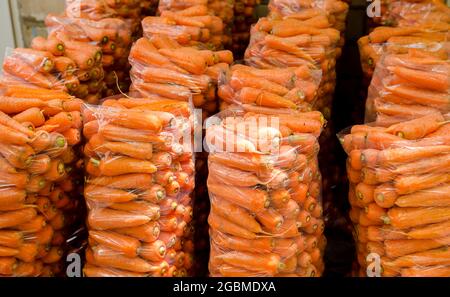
(403, 13)
(335, 10)
(164, 68)
(265, 190)
(399, 182)
(385, 40)
(140, 171)
(294, 88)
(410, 83)
(40, 207)
(190, 25)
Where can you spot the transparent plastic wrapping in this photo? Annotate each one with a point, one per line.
(402, 13)
(99, 50)
(265, 190)
(140, 176)
(335, 11)
(191, 26)
(292, 43)
(408, 83)
(279, 88)
(162, 67)
(40, 210)
(397, 40)
(399, 196)
(95, 10)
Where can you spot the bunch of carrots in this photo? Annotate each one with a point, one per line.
(396, 39)
(244, 18)
(138, 185)
(163, 67)
(280, 88)
(399, 182)
(265, 188)
(410, 85)
(39, 196)
(190, 25)
(293, 42)
(403, 13)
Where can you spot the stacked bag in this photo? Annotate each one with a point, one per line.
(398, 164)
(40, 203)
(139, 164)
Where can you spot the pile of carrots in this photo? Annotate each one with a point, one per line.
(403, 13)
(189, 24)
(244, 18)
(399, 177)
(39, 197)
(139, 180)
(163, 67)
(409, 85)
(265, 188)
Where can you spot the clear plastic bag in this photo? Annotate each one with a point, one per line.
(399, 197)
(99, 49)
(409, 82)
(40, 209)
(164, 68)
(140, 164)
(265, 190)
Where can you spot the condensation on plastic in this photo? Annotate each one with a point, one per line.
(399, 196)
(161, 66)
(98, 48)
(335, 9)
(140, 212)
(402, 13)
(282, 88)
(40, 209)
(265, 191)
(409, 82)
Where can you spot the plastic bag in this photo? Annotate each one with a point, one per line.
(399, 197)
(99, 50)
(311, 9)
(279, 88)
(140, 168)
(403, 13)
(391, 40)
(409, 82)
(265, 189)
(163, 67)
(40, 209)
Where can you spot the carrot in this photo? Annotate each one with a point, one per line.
(21, 69)
(236, 214)
(116, 133)
(402, 247)
(431, 231)
(392, 155)
(255, 200)
(429, 271)
(420, 96)
(34, 225)
(424, 79)
(410, 217)
(95, 271)
(128, 181)
(18, 180)
(15, 218)
(266, 263)
(40, 164)
(382, 34)
(32, 115)
(139, 207)
(426, 258)
(6, 167)
(246, 162)
(40, 60)
(11, 239)
(414, 183)
(241, 79)
(127, 246)
(8, 265)
(11, 105)
(8, 252)
(114, 166)
(106, 257)
(241, 244)
(51, 44)
(417, 128)
(57, 170)
(104, 219)
(385, 195)
(223, 225)
(154, 251)
(145, 233)
(108, 195)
